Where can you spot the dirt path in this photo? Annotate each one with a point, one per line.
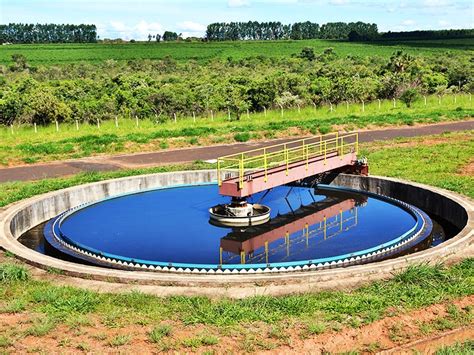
(179, 156)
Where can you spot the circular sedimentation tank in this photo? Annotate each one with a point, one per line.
(168, 230)
(156, 229)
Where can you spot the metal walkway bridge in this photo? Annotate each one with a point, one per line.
(243, 174)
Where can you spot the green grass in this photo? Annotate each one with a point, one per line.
(419, 286)
(25, 146)
(436, 164)
(53, 54)
(466, 348)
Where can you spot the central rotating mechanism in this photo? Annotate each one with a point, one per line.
(239, 213)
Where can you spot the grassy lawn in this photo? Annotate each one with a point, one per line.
(81, 319)
(38, 315)
(20, 145)
(53, 54)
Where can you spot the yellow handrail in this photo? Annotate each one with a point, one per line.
(286, 154)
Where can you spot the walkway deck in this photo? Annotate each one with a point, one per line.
(246, 173)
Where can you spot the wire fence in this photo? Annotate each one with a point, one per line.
(121, 124)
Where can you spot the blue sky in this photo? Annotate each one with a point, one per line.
(135, 19)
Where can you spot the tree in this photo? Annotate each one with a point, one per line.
(409, 96)
(158, 37)
(170, 36)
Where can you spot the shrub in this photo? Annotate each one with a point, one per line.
(242, 137)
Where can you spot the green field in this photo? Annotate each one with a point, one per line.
(49, 54)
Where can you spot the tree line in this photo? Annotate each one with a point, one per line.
(254, 30)
(424, 35)
(47, 33)
(159, 89)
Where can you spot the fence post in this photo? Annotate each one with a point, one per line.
(330, 106)
(347, 106)
(11, 128)
(394, 103)
(36, 130)
(425, 99)
(315, 107)
(174, 115)
(98, 123)
(379, 103)
(363, 106)
(470, 97)
(439, 99)
(248, 113)
(299, 110)
(455, 99)
(281, 109)
(228, 113)
(265, 111)
(136, 121)
(212, 115)
(194, 117)
(57, 126)
(77, 125)
(116, 121)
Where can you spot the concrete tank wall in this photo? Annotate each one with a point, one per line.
(19, 217)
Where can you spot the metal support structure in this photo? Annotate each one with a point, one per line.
(295, 160)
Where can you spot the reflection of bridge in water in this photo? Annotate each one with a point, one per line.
(286, 234)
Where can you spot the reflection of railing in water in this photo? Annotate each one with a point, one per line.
(259, 247)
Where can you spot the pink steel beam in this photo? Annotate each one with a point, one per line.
(252, 244)
(280, 175)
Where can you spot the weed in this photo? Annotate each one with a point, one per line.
(65, 342)
(466, 348)
(200, 340)
(83, 347)
(157, 333)
(8, 254)
(5, 341)
(41, 327)
(99, 336)
(54, 271)
(316, 328)
(119, 340)
(14, 306)
(12, 272)
(372, 347)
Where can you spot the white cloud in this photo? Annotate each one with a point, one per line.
(191, 26)
(238, 3)
(139, 31)
(444, 23)
(435, 3)
(408, 22)
(339, 2)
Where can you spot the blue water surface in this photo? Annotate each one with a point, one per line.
(172, 225)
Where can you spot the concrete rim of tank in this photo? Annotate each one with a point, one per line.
(17, 218)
